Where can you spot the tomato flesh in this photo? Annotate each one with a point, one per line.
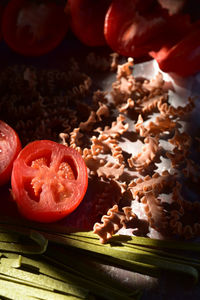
(32, 28)
(87, 20)
(10, 146)
(48, 181)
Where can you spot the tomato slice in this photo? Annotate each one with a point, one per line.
(10, 146)
(132, 27)
(49, 181)
(34, 28)
(87, 20)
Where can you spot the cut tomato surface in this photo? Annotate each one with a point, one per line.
(10, 146)
(132, 27)
(87, 20)
(34, 28)
(49, 181)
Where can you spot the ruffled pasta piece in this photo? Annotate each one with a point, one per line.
(64, 137)
(125, 69)
(87, 125)
(160, 125)
(154, 184)
(75, 137)
(153, 84)
(101, 167)
(114, 62)
(169, 110)
(126, 86)
(181, 141)
(110, 170)
(146, 156)
(92, 162)
(101, 145)
(117, 128)
(106, 145)
(123, 89)
(103, 110)
(154, 211)
(177, 157)
(149, 103)
(112, 222)
(128, 105)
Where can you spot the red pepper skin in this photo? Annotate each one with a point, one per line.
(87, 20)
(183, 58)
(134, 27)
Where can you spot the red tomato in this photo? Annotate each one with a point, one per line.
(49, 181)
(183, 58)
(9, 148)
(34, 28)
(132, 27)
(87, 20)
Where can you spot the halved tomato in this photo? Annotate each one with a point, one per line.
(10, 146)
(87, 20)
(34, 27)
(49, 181)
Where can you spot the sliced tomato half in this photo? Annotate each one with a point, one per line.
(10, 146)
(87, 20)
(34, 28)
(49, 181)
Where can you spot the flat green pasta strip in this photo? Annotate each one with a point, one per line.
(30, 243)
(164, 254)
(45, 281)
(161, 244)
(131, 256)
(106, 291)
(7, 287)
(84, 266)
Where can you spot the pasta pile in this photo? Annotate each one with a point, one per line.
(124, 135)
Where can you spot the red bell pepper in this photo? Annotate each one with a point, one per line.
(182, 58)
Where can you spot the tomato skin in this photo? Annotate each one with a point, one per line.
(33, 29)
(131, 27)
(10, 146)
(183, 58)
(41, 187)
(87, 20)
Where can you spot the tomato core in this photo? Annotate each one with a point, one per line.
(47, 175)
